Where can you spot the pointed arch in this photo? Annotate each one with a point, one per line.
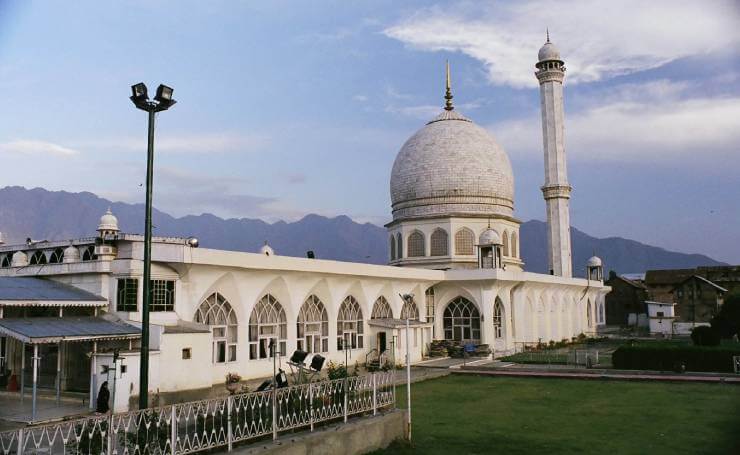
(514, 245)
(393, 248)
(439, 242)
(381, 309)
(350, 325)
(216, 312)
(37, 258)
(399, 246)
(464, 241)
(7, 260)
(409, 310)
(505, 241)
(498, 318)
(88, 254)
(461, 321)
(267, 323)
(415, 245)
(589, 319)
(313, 326)
(57, 256)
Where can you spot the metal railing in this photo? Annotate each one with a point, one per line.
(200, 425)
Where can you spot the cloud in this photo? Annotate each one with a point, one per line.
(35, 147)
(224, 142)
(637, 122)
(360, 98)
(597, 39)
(427, 112)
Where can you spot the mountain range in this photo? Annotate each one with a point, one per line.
(53, 215)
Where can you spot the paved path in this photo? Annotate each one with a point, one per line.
(14, 414)
(603, 374)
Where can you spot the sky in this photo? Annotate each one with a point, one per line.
(289, 108)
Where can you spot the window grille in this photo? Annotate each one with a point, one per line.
(393, 248)
(38, 258)
(381, 309)
(505, 241)
(439, 241)
(464, 240)
(162, 295)
(313, 326)
(399, 246)
(498, 311)
(409, 310)
(7, 260)
(128, 294)
(514, 251)
(216, 312)
(416, 244)
(267, 323)
(57, 256)
(462, 321)
(349, 325)
(429, 297)
(89, 253)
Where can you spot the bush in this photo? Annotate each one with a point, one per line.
(705, 336)
(665, 357)
(727, 322)
(336, 371)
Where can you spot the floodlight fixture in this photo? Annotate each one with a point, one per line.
(298, 356)
(317, 362)
(164, 97)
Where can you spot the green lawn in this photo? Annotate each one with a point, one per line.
(473, 414)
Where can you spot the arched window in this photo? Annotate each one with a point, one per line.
(399, 246)
(498, 319)
(439, 241)
(89, 253)
(409, 310)
(349, 324)
(602, 317)
(217, 312)
(393, 248)
(462, 321)
(313, 326)
(416, 244)
(267, 323)
(588, 314)
(38, 257)
(7, 260)
(464, 240)
(429, 296)
(381, 309)
(57, 256)
(514, 250)
(505, 241)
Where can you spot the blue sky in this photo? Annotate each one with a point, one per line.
(289, 108)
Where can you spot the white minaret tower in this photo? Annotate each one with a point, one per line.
(556, 190)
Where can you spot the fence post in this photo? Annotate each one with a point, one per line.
(229, 407)
(310, 404)
(346, 392)
(274, 411)
(173, 428)
(375, 396)
(109, 451)
(20, 441)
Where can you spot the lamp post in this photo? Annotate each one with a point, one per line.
(162, 101)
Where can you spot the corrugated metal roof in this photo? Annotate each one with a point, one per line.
(34, 288)
(52, 330)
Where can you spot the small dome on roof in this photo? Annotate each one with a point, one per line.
(594, 261)
(108, 222)
(548, 52)
(71, 254)
(489, 237)
(267, 250)
(19, 259)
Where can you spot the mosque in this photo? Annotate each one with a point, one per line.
(70, 311)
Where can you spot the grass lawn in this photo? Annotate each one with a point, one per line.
(474, 414)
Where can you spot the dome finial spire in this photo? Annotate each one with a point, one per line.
(548, 34)
(448, 90)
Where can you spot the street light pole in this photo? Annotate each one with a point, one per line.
(162, 101)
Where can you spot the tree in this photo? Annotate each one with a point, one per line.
(705, 336)
(727, 322)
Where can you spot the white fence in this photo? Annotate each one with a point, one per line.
(201, 425)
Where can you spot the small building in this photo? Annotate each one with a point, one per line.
(697, 299)
(660, 317)
(625, 304)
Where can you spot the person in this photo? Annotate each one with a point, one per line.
(103, 397)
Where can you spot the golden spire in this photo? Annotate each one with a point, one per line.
(448, 91)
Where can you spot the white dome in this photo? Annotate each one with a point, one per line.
(594, 261)
(108, 222)
(267, 250)
(451, 167)
(489, 237)
(19, 259)
(548, 52)
(71, 254)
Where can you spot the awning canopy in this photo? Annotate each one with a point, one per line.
(34, 291)
(54, 330)
(392, 323)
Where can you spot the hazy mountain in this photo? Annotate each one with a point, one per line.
(54, 215)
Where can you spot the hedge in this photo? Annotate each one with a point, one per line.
(666, 356)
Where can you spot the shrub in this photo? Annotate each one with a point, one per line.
(336, 370)
(705, 336)
(665, 356)
(727, 321)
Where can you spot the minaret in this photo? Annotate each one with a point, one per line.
(556, 190)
